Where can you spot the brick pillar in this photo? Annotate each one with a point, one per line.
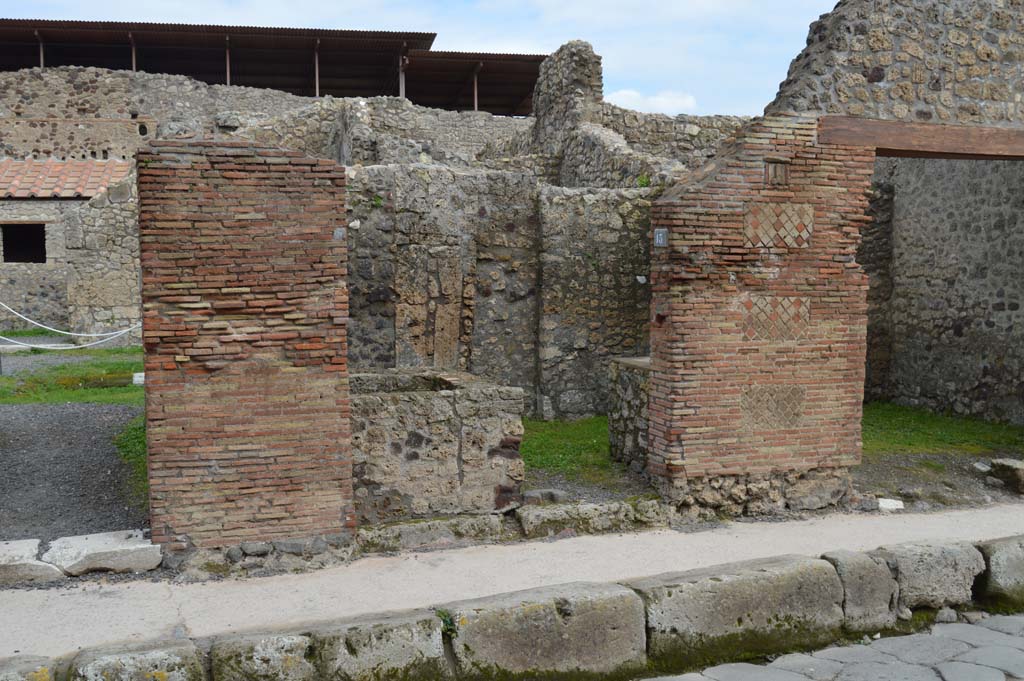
(759, 318)
(245, 309)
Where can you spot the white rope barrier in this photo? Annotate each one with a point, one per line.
(71, 347)
(103, 337)
(58, 331)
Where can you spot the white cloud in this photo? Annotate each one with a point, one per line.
(666, 101)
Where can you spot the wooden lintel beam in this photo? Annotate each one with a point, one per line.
(922, 140)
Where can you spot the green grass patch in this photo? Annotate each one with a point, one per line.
(573, 449)
(893, 429)
(105, 377)
(131, 444)
(26, 333)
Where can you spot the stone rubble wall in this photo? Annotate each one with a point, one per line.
(433, 443)
(594, 293)
(37, 290)
(949, 288)
(103, 278)
(579, 140)
(85, 112)
(627, 411)
(875, 255)
(90, 282)
(444, 270)
(385, 130)
(669, 623)
(937, 61)
(693, 140)
(488, 272)
(594, 156)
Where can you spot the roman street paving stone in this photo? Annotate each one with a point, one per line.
(990, 651)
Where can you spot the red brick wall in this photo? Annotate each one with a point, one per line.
(759, 310)
(245, 310)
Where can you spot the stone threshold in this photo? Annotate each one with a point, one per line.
(667, 623)
(29, 561)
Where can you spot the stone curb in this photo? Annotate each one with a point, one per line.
(667, 623)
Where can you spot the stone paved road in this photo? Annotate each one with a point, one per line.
(992, 650)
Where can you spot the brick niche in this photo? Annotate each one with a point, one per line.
(245, 309)
(759, 320)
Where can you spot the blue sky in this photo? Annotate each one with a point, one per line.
(675, 56)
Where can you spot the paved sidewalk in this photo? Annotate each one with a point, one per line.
(53, 622)
(993, 650)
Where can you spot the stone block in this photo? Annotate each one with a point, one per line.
(758, 607)
(274, 657)
(127, 551)
(870, 590)
(933, 575)
(964, 671)
(1003, 580)
(618, 516)
(18, 564)
(749, 672)
(1002, 658)
(572, 628)
(409, 646)
(921, 648)
(172, 660)
(430, 533)
(1011, 472)
(814, 668)
(27, 668)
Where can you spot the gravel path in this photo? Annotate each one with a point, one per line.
(26, 362)
(60, 473)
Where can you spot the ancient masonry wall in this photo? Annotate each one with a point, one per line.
(247, 395)
(937, 61)
(534, 287)
(385, 130)
(875, 255)
(628, 412)
(37, 290)
(579, 140)
(103, 276)
(463, 256)
(90, 280)
(953, 301)
(595, 296)
(427, 443)
(79, 112)
(760, 314)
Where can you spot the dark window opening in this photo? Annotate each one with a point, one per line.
(24, 243)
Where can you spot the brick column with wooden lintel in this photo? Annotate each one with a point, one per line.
(245, 309)
(759, 318)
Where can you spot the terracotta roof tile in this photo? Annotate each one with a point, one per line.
(49, 179)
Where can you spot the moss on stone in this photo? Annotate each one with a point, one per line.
(743, 647)
(219, 569)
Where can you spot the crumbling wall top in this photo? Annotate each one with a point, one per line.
(938, 61)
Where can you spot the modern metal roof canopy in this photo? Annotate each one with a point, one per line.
(303, 61)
